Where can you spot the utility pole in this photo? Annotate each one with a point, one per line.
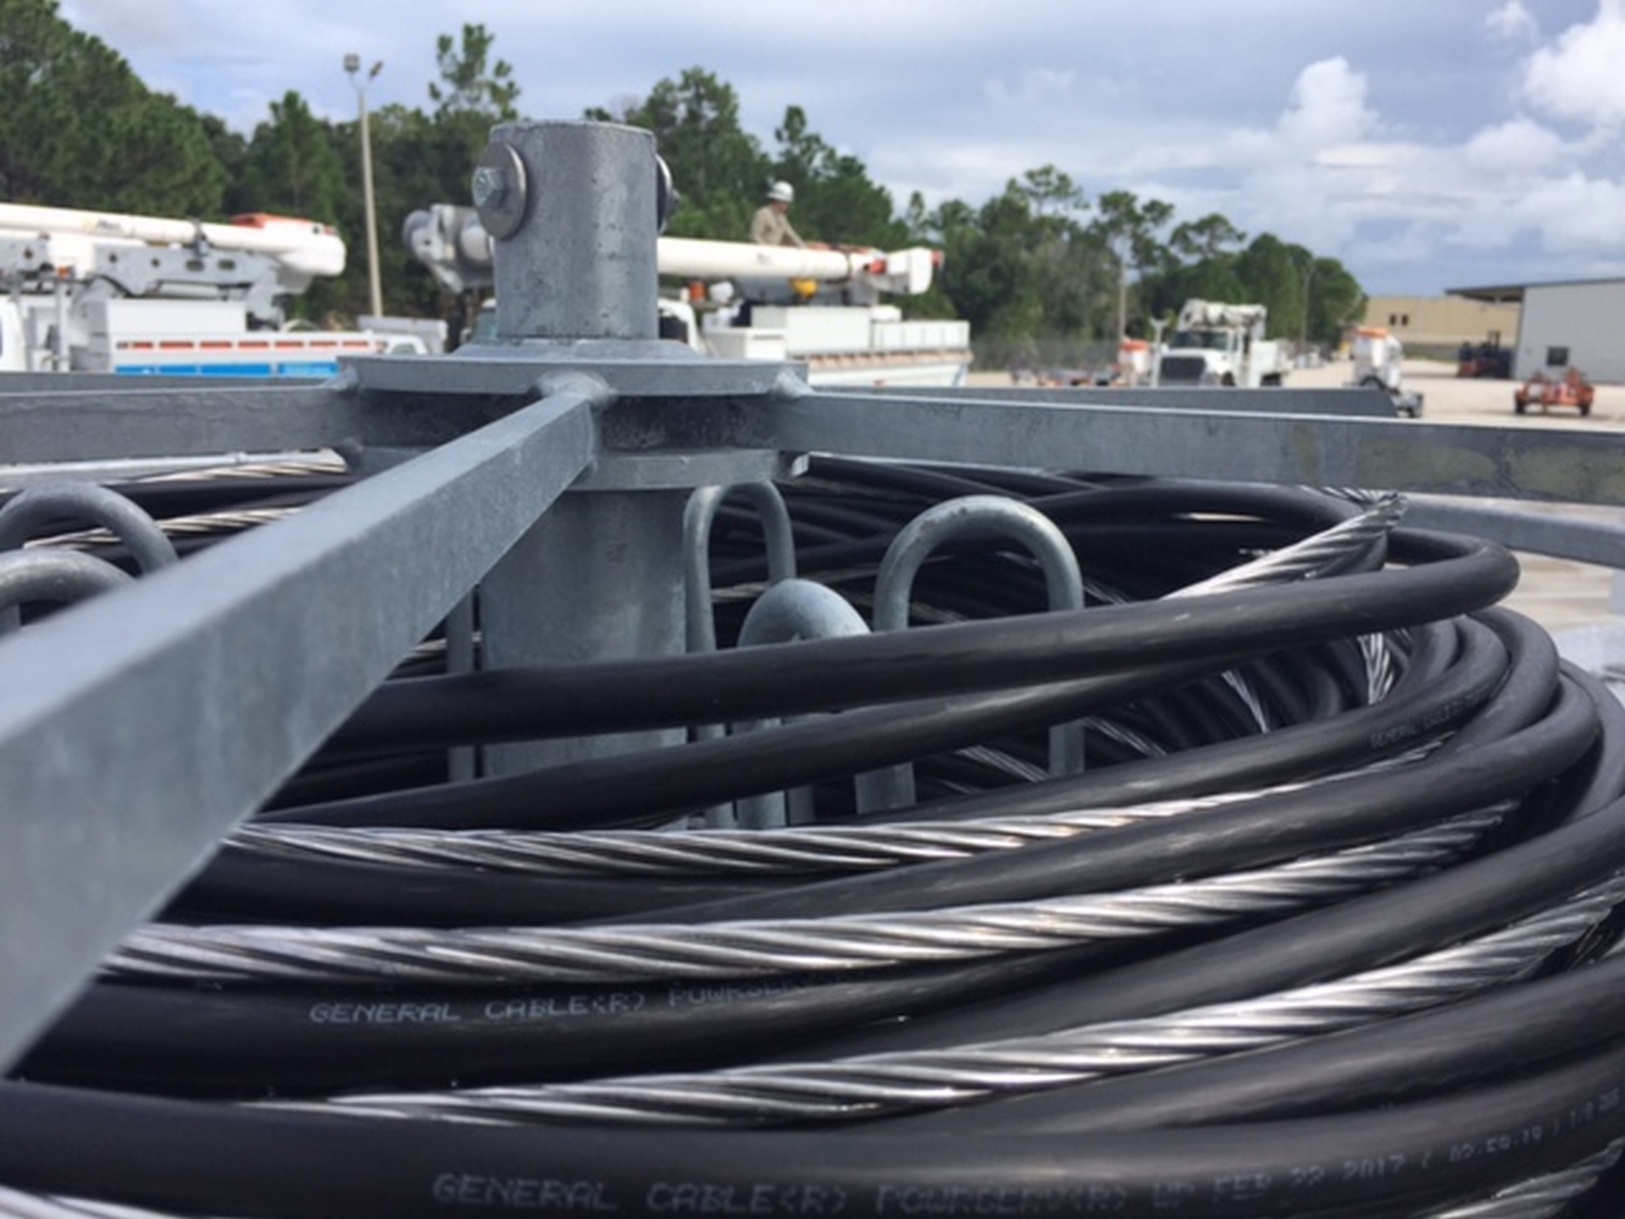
(375, 291)
(1303, 319)
(1122, 299)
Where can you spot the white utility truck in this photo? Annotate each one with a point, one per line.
(146, 295)
(1378, 364)
(1219, 344)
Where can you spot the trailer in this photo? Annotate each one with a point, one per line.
(1566, 388)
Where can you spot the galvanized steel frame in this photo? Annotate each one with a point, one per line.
(135, 732)
(139, 728)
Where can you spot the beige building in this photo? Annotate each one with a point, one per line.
(1442, 321)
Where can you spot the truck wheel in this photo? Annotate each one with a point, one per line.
(1273, 381)
(1519, 406)
(1228, 381)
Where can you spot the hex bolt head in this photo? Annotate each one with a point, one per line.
(490, 187)
(499, 190)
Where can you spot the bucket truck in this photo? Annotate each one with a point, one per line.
(1378, 360)
(821, 307)
(141, 295)
(1220, 344)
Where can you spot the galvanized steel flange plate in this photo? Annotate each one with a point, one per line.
(631, 368)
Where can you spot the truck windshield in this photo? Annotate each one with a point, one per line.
(1213, 340)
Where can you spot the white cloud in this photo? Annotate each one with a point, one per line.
(1326, 118)
(1365, 155)
(1582, 76)
(1328, 106)
(1034, 87)
(1512, 22)
(1577, 215)
(130, 27)
(1517, 146)
(1312, 177)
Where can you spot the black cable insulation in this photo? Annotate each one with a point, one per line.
(1361, 933)
(1385, 1062)
(1384, 690)
(252, 1042)
(407, 1168)
(1251, 834)
(1451, 577)
(648, 787)
(1369, 732)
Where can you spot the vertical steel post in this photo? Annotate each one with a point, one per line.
(579, 201)
(572, 209)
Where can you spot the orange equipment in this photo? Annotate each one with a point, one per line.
(1571, 389)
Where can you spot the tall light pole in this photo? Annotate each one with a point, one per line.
(1303, 317)
(375, 291)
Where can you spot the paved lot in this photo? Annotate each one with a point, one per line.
(1450, 399)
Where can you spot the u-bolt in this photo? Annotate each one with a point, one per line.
(980, 515)
(50, 506)
(58, 577)
(791, 610)
(700, 627)
(698, 515)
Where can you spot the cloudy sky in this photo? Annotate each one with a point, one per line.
(1429, 144)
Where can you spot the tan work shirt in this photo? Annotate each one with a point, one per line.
(769, 226)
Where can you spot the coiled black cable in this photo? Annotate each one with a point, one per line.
(1445, 803)
(1421, 1153)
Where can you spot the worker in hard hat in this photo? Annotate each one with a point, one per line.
(771, 223)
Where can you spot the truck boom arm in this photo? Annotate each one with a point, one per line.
(300, 249)
(1200, 314)
(451, 242)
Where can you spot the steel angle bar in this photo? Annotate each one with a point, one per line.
(115, 422)
(1277, 400)
(137, 729)
(51, 418)
(1561, 537)
(1396, 454)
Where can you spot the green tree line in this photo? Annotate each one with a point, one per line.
(1037, 264)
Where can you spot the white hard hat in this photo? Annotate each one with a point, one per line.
(782, 192)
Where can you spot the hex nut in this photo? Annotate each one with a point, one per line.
(500, 190)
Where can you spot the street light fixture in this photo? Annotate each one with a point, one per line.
(352, 65)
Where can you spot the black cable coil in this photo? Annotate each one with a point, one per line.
(1324, 923)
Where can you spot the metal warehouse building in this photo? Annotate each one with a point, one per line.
(1575, 323)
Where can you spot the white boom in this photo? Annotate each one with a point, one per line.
(905, 271)
(1197, 314)
(450, 241)
(301, 249)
